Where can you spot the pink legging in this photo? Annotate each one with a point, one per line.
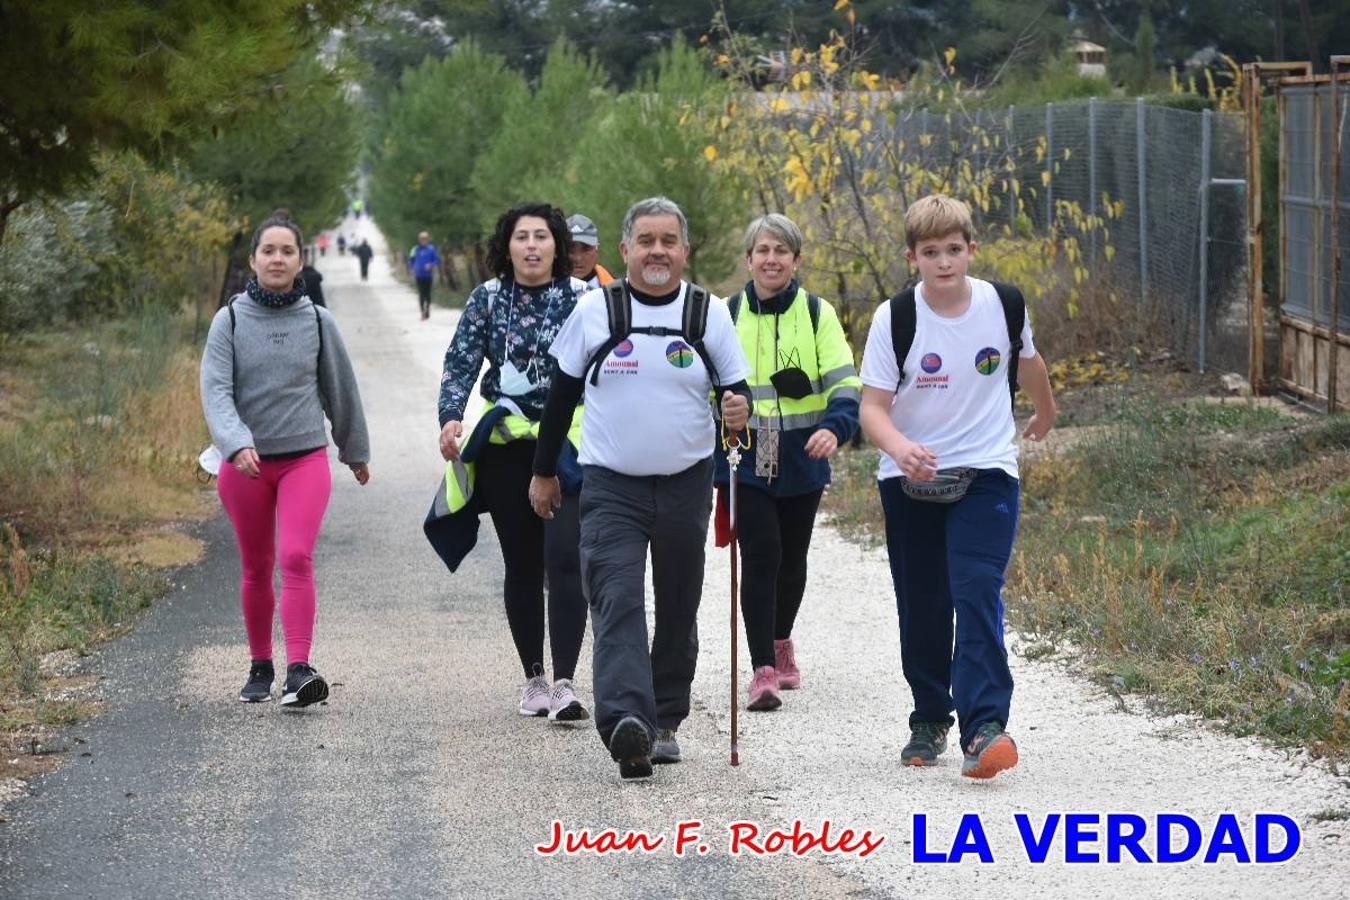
(290, 497)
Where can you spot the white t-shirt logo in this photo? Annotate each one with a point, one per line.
(987, 360)
(617, 363)
(679, 354)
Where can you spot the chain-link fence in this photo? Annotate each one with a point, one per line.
(1167, 182)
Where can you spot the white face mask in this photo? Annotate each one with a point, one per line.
(514, 383)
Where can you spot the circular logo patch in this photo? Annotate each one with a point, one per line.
(625, 347)
(679, 354)
(986, 361)
(931, 362)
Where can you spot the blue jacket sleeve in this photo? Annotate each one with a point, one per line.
(841, 417)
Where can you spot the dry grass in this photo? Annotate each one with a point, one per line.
(1196, 554)
(99, 432)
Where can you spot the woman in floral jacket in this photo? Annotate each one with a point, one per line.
(511, 321)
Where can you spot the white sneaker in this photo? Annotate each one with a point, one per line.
(534, 697)
(563, 705)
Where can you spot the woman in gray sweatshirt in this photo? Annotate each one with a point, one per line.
(273, 367)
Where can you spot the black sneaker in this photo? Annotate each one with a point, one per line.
(666, 750)
(630, 745)
(927, 740)
(303, 686)
(258, 689)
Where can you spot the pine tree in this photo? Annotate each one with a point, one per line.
(80, 75)
(444, 116)
(538, 133)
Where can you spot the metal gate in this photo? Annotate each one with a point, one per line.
(1314, 235)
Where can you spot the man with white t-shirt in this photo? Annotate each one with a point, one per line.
(647, 440)
(936, 400)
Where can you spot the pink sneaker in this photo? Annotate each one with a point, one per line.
(764, 690)
(785, 661)
(534, 697)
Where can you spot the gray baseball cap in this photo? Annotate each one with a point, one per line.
(583, 230)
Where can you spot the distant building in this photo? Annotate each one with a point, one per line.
(1091, 58)
(772, 67)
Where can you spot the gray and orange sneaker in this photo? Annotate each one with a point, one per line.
(927, 741)
(785, 663)
(991, 751)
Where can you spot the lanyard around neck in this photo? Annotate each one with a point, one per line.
(510, 320)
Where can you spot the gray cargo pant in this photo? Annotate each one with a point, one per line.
(620, 516)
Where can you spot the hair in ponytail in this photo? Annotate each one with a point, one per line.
(280, 218)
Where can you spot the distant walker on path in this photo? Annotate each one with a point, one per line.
(422, 263)
(363, 253)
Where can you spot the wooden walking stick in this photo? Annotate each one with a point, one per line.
(734, 443)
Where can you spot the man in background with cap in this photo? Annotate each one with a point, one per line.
(585, 255)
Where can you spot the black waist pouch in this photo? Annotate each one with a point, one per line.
(946, 486)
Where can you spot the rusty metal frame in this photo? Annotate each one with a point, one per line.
(1253, 75)
(1339, 73)
(1335, 324)
(1335, 340)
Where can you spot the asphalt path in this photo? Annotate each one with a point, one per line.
(418, 778)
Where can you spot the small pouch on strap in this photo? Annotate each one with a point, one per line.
(946, 486)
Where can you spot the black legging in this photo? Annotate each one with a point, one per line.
(530, 546)
(424, 297)
(774, 534)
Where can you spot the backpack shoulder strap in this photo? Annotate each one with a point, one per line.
(1015, 315)
(813, 307)
(619, 312)
(694, 325)
(904, 320)
(734, 305)
(318, 323)
(694, 321)
(234, 356)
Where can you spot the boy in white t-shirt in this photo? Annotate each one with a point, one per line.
(947, 428)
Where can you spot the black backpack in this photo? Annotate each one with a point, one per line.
(903, 323)
(619, 308)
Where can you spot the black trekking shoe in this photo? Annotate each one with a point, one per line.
(630, 745)
(666, 750)
(258, 689)
(303, 686)
(927, 740)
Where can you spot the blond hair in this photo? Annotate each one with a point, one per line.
(935, 216)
